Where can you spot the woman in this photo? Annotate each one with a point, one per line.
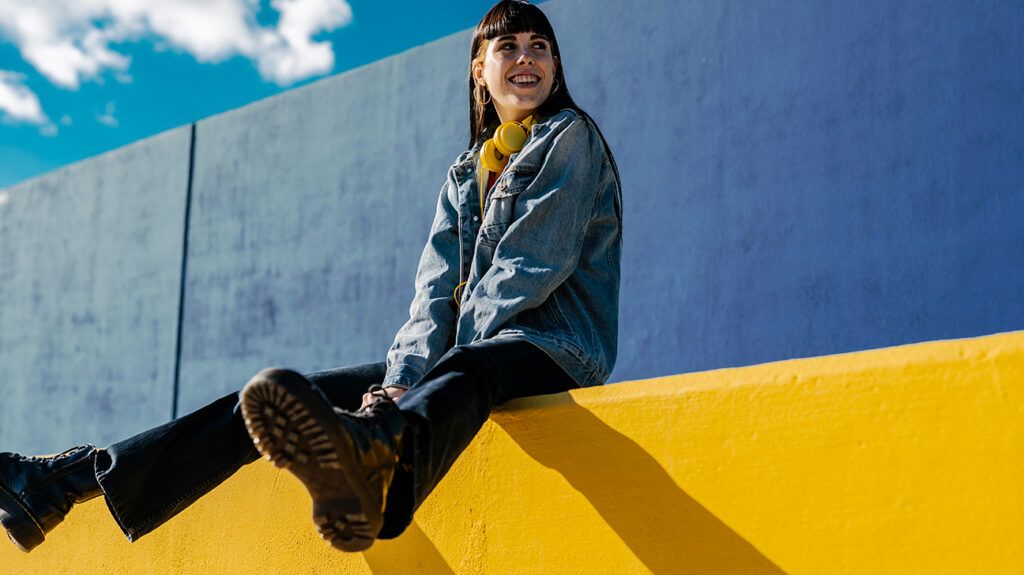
(516, 295)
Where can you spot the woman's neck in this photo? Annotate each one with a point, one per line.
(513, 116)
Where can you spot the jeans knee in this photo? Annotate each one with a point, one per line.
(466, 357)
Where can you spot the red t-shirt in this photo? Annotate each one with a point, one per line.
(491, 177)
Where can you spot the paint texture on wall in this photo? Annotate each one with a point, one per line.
(90, 262)
(898, 460)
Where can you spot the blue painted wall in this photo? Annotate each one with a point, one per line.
(799, 179)
(90, 263)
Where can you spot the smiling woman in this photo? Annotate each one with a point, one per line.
(517, 294)
(517, 71)
(512, 40)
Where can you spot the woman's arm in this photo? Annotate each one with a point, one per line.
(542, 246)
(424, 337)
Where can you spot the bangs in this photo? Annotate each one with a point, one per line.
(513, 17)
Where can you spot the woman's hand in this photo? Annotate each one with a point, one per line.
(393, 392)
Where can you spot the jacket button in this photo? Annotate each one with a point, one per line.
(476, 219)
(503, 185)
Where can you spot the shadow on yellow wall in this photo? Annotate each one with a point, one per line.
(663, 526)
(416, 553)
(902, 460)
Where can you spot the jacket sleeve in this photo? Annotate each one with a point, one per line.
(424, 337)
(542, 245)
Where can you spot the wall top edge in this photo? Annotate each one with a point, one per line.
(57, 172)
(316, 84)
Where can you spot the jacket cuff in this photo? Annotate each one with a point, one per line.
(404, 376)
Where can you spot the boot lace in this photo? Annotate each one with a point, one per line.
(380, 406)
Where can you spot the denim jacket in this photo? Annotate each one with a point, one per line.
(542, 265)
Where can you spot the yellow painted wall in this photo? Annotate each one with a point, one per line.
(900, 460)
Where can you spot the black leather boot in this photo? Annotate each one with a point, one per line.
(346, 460)
(36, 493)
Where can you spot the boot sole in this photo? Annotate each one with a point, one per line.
(21, 525)
(294, 428)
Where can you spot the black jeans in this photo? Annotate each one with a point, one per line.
(150, 477)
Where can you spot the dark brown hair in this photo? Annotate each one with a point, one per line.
(513, 17)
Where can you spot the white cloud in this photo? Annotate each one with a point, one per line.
(17, 102)
(71, 42)
(107, 118)
(60, 39)
(289, 53)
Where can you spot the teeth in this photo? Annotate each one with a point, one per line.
(524, 78)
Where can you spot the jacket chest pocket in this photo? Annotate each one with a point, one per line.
(497, 219)
(501, 204)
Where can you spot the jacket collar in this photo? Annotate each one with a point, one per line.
(465, 164)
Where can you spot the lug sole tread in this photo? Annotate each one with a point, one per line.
(286, 432)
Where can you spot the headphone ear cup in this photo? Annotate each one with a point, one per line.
(492, 158)
(510, 137)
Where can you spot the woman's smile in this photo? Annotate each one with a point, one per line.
(525, 80)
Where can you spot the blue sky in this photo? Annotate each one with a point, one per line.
(80, 77)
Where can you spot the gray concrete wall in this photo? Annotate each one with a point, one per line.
(90, 263)
(799, 179)
(310, 211)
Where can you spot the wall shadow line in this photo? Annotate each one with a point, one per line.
(665, 528)
(411, 552)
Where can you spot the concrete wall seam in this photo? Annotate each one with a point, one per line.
(184, 270)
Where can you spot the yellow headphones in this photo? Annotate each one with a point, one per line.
(508, 139)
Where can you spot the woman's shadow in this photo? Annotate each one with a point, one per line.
(664, 527)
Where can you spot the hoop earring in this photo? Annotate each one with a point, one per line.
(557, 86)
(480, 100)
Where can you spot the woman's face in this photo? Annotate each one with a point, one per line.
(518, 70)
